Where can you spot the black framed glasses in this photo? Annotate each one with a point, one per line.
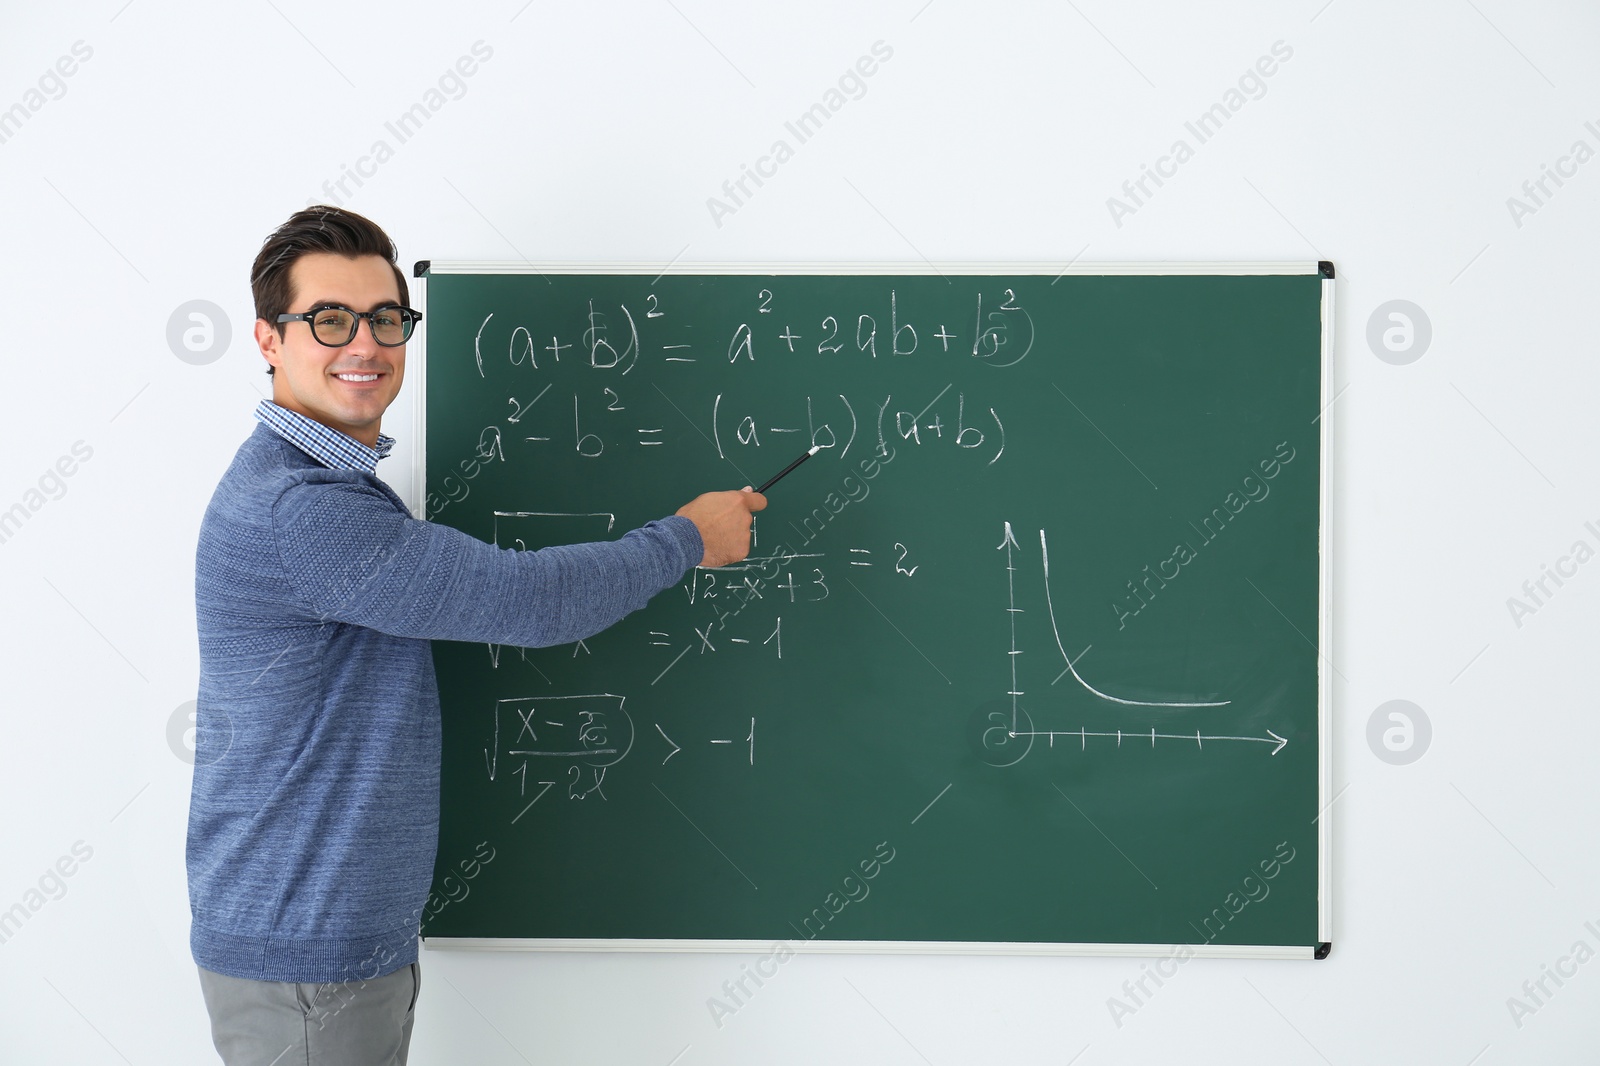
(335, 326)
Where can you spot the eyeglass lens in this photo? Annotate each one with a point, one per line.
(335, 326)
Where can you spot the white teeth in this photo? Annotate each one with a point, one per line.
(356, 377)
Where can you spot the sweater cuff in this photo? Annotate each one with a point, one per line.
(687, 536)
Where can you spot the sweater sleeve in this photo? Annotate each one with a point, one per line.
(351, 556)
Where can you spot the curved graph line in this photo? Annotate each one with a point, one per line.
(1044, 549)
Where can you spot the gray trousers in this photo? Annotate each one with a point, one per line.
(279, 1023)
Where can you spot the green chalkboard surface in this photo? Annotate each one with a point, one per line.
(1025, 658)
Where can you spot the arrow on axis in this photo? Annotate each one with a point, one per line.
(1124, 734)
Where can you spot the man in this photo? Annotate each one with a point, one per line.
(314, 814)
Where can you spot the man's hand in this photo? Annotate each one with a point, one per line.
(723, 519)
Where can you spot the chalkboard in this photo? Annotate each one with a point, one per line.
(1028, 657)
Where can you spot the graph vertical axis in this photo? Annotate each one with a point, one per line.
(1012, 610)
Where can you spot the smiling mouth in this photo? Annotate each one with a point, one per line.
(357, 377)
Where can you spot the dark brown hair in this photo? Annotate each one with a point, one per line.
(315, 229)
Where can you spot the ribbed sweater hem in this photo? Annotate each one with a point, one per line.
(306, 961)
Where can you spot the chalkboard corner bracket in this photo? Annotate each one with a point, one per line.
(1324, 267)
(1324, 948)
(421, 269)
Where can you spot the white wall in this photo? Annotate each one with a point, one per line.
(1389, 142)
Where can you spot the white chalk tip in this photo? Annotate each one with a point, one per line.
(814, 449)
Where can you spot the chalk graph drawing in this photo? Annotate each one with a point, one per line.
(1000, 739)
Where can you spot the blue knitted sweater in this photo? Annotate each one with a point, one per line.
(315, 807)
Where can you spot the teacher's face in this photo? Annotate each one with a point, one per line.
(345, 388)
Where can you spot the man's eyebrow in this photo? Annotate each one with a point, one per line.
(386, 302)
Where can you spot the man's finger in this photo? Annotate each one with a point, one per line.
(754, 500)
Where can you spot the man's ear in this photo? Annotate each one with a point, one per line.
(270, 343)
